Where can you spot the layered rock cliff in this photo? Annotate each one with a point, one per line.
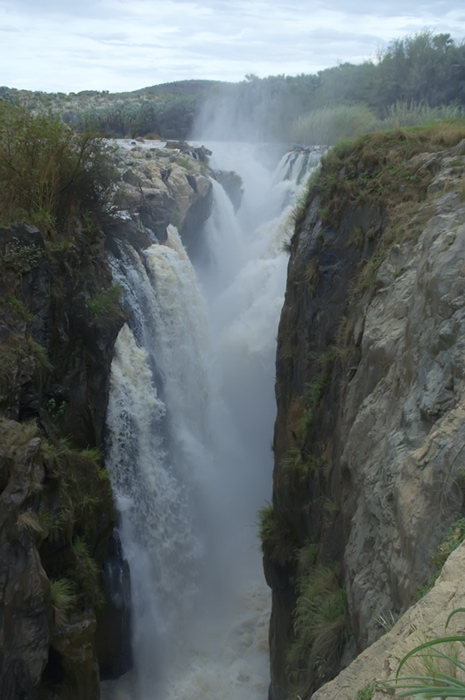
(370, 392)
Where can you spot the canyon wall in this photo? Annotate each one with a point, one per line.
(368, 443)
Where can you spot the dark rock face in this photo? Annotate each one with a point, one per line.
(48, 305)
(74, 646)
(59, 319)
(320, 272)
(113, 641)
(26, 610)
(232, 185)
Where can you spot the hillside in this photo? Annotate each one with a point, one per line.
(415, 79)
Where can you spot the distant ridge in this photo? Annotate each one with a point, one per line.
(186, 87)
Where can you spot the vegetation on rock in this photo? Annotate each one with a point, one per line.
(50, 176)
(454, 536)
(321, 626)
(59, 318)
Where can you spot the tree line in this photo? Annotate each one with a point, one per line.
(424, 71)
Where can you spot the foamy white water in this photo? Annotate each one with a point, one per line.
(190, 424)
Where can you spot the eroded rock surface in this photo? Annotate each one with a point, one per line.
(162, 186)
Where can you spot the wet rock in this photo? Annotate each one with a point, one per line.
(75, 658)
(56, 352)
(157, 195)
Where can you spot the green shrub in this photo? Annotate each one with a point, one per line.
(52, 524)
(48, 174)
(313, 390)
(286, 244)
(87, 573)
(278, 540)
(106, 306)
(321, 628)
(303, 417)
(329, 124)
(306, 557)
(22, 258)
(267, 524)
(366, 693)
(55, 410)
(63, 600)
(93, 454)
(454, 536)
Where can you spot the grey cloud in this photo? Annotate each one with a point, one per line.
(83, 8)
(100, 44)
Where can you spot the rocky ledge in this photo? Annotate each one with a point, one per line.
(170, 183)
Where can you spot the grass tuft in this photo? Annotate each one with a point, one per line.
(454, 536)
(106, 306)
(278, 541)
(435, 669)
(63, 600)
(321, 628)
(87, 573)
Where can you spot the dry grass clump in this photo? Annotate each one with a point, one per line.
(321, 627)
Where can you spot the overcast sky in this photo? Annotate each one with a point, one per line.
(119, 45)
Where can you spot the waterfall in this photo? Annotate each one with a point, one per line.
(189, 425)
(156, 424)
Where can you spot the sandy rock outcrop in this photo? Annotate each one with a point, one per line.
(423, 621)
(162, 186)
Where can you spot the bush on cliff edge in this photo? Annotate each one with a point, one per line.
(49, 175)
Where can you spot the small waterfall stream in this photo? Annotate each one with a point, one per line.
(190, 422)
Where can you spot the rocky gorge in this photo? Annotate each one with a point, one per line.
(368, 478)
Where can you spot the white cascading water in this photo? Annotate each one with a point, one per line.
(190, 423)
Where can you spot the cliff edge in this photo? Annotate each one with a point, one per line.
(370, 392)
